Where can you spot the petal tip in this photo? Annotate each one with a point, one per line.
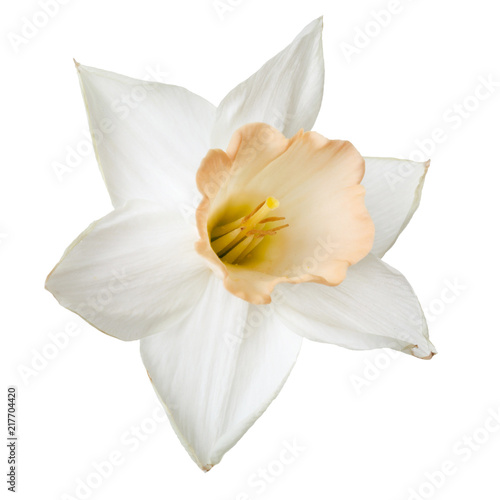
(314, 28)
(429, 356)
(316, 24)
(47, 280)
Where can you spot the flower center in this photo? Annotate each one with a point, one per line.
(234, 241)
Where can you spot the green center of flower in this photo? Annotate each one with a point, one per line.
(234, 241)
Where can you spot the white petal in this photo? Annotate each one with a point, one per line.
(393, 190)
(219, 370)
(373, 307)
(133, 273)
(149, 138)
(285, 93)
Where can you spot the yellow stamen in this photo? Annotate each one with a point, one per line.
(268, 232)
(236, 252)
(271, 219)
(235, 240)
(221, 243)
(226, 228)
(255, 242)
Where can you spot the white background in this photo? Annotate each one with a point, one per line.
(368, 425)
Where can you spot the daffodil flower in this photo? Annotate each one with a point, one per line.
(284, 242)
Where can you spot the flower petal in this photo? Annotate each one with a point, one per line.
(317, 183)
(132, 273)
(218, 371)
(285, 93)
(393, 190)
(373, 307)
(149, 137)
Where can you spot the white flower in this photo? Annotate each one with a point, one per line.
(287, 244)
